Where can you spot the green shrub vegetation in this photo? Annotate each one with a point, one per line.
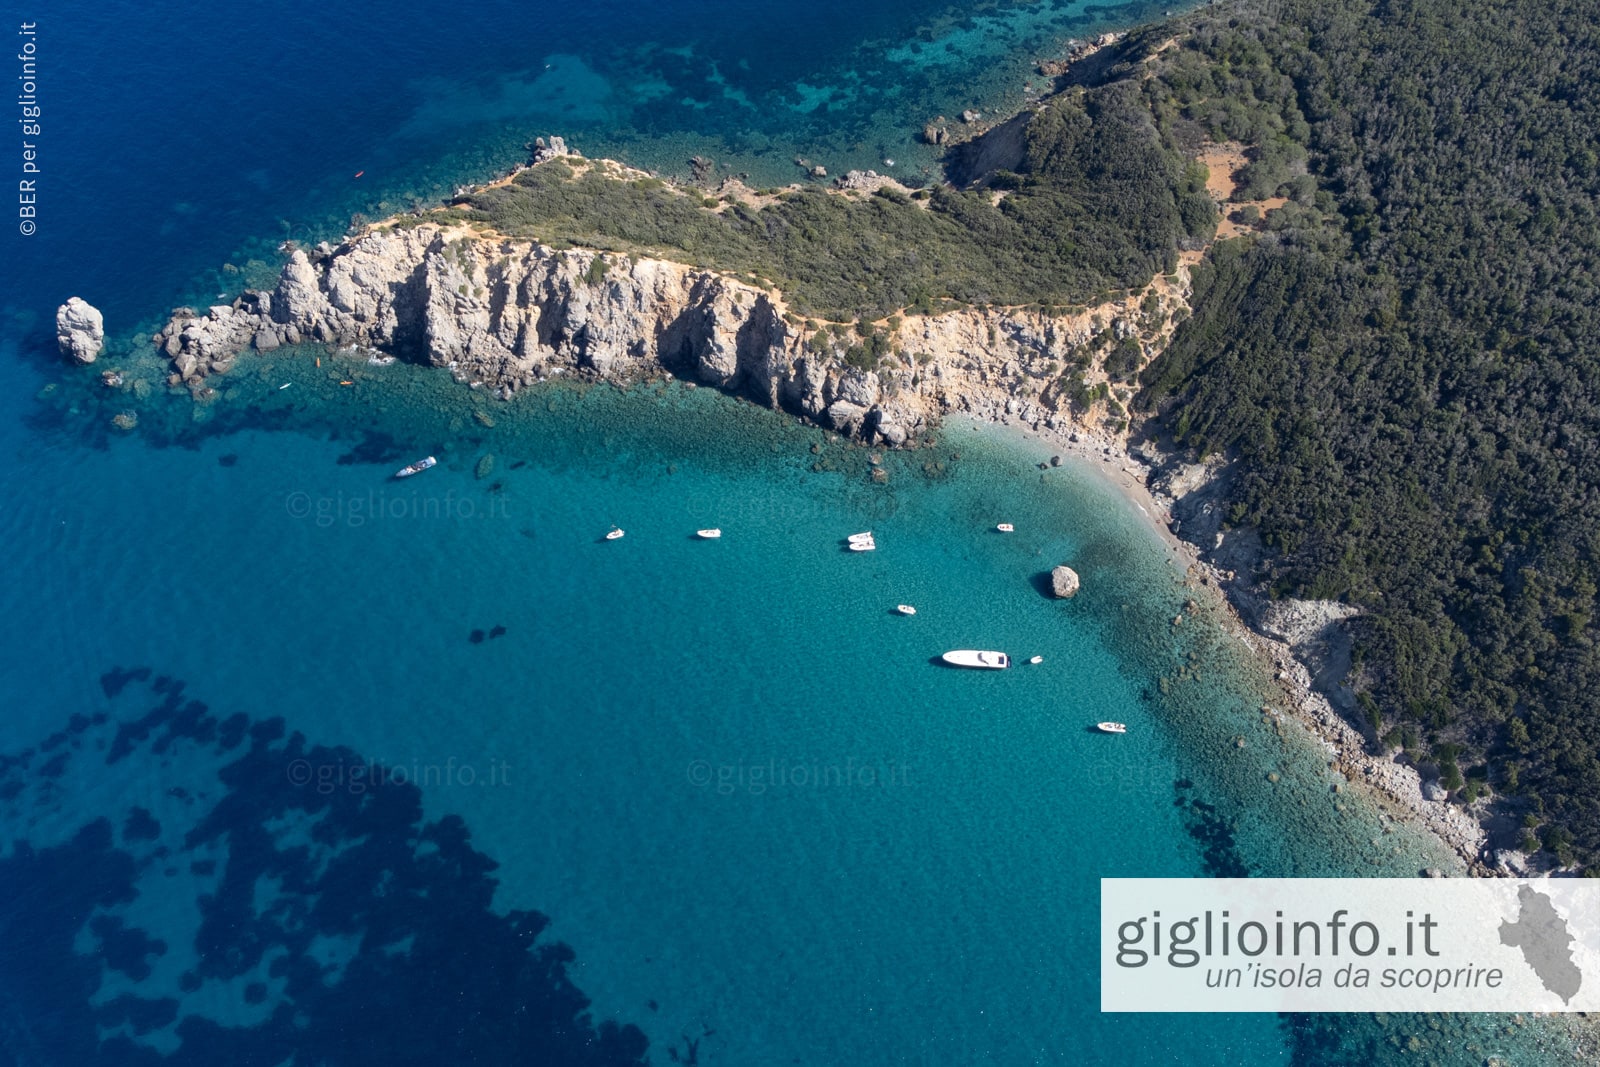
(1102, 201)
(1404, 359)
(1407, 364)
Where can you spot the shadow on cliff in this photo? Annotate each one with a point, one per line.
(292, 920)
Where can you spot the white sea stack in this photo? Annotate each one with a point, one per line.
(80, 330)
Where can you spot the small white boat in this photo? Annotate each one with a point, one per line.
(968, 657)
(1111, 727)
(863, 546)
(856, 538)
(1037, 659)
(1006, 527)
(905, 609)
(284, 386)
(416, 468)
(708, 535)
(615, 534)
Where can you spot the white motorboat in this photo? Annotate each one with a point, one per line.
(416, 468)
(615, 534)
(967, 657)
(854, 538)
(1037, 659)
(905, 609)
(1006, 527)
(1111, 727)
(708, 535)
(863, 546)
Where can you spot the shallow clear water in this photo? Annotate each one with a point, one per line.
(768, 827)
(727, 771)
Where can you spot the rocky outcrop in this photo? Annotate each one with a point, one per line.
(503, 314)
(553, 149)
(506, 314)
(1299, 622)
(868, 181)
(199, 345)
(1064, 582)
(80, 330)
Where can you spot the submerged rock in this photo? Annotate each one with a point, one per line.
(80, 330)
(1064, 582)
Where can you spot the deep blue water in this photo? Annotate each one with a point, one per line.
(693, 801)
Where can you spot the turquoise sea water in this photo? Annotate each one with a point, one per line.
(726, 770)
(724, 774)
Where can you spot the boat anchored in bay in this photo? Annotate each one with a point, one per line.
(977, 658)
(415, 468)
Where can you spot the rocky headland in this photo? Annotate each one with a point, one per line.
(503, 314)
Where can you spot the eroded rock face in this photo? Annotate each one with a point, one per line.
(80, 330)
(505, 313)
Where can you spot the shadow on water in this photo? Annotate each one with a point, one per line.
(1043, 585)
(283, 902)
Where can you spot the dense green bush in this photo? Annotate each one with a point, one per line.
(1408, 365)
(1103, 198)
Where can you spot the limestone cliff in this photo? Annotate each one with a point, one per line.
(505, 314)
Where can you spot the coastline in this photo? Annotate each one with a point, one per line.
(1395, 788)
(503, 314)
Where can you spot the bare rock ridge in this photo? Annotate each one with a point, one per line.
(503, 314)
(80, 330)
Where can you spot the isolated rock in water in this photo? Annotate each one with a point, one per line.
(80, 330)
(1064, 581)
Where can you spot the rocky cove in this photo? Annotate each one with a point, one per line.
(503, 314)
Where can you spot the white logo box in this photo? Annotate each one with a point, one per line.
(1349, 944)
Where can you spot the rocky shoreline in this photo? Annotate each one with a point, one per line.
(1289, 638)
(502, 315)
